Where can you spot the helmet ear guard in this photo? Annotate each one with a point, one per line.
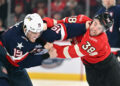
(105, 19)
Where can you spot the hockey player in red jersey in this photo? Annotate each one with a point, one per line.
(89, 45)
(102, 68)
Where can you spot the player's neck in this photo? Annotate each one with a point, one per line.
(44, 26)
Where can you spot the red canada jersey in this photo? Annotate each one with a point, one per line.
(93, 49)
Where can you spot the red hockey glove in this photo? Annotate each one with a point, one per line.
(49, 21)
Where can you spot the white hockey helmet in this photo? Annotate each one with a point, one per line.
(33, 22)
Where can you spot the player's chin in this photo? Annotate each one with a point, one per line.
(92, 33)
(32, 40)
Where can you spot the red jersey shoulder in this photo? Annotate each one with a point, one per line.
(102, 38)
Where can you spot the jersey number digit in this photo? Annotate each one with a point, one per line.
(56, 28)
(72, 19)
(17, 53)
(88, 47)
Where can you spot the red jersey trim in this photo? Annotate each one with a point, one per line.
(1, 43)
(13, 63)
(22, 58)
(115, 53)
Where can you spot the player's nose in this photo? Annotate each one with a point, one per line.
(95, 29)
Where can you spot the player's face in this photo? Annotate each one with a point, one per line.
(96, 28)
(32, 36)
(108, 3)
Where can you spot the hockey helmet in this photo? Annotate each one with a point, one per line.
(33, 22)
(105, 19)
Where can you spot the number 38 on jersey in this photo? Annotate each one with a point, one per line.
(88, 47)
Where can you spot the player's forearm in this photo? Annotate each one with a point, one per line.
(77, 19)
(68, 51)
(73, 19)
(33, 60)
(74, 30)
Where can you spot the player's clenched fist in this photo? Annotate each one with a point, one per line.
(48, 45)
(51, 22)
(53, 53)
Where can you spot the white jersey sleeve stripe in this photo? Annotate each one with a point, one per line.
(78, 51)
(62, 32)
(66, 53)
(115, 49)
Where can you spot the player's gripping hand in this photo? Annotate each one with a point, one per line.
(88, 23)
(48, 46)
(49, 21)
(53, 53)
